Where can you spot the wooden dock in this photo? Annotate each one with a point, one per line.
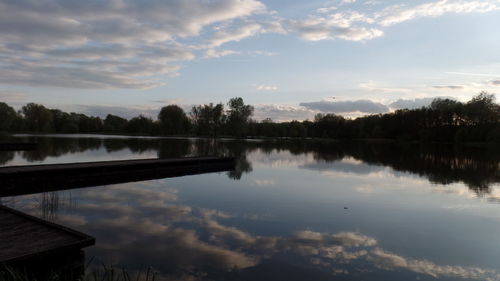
(16, 146)
(24, 237)
(19, 180)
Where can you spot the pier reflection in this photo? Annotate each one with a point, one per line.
(476, 166)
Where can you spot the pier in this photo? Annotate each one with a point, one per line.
(24, 237)
(20, 180)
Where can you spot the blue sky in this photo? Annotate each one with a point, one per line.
(290, 59)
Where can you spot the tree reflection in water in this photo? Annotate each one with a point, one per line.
(140, 224)
(477, 166)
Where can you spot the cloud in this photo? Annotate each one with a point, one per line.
(238, 34)
(449, 87)
(138, 44)
(264, 87)
(334, 26)
(282, 113)
(213, 53)
(104, 44)
(495, 82)
(11, 96)
(325, 10)
(364, 106)
(400, 13)
(329, 24)
(122, 111)
(414, 103)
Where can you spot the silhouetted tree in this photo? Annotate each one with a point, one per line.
(208, 119)
(38, 118)
(173, 120)
(141, 125)
(238, 116)
(64, 122)
(114, 124)
(7, 117)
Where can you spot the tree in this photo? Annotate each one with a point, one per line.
(238, 116)
(7, 117)
(482, 109)
(64, 122)
(173, 120)
(140, 125)
(114, 124)
(38, 118)
(208, 118)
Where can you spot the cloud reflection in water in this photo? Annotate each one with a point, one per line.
(142, 224)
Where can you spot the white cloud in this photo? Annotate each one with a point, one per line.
(238, 34)
(213, 53)
(325, 10)
(104, 44)
(338, 25)
(263, 53)
(365, 106)
(399, 13)
(280, 113)
(264, 87)
(355, 26)
(137, 44)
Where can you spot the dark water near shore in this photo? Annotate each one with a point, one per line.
(292, 210)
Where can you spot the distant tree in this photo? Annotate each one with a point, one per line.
(482, 109)
(173, 120)
(238, 116)
(38, 118)
(446, 111)
(64, 122)
(7, 117)
(296, 129)
(140, 125)
(208, 118)
(114, 124)
(329, 125)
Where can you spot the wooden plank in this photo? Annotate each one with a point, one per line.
(19, 180)
(23, 236)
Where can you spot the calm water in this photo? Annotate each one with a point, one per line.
(291, 211)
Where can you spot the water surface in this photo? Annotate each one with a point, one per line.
(292, 210)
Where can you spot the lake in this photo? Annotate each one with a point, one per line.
(291, 210)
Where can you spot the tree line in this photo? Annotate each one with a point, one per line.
(203, 120)
(444, 120)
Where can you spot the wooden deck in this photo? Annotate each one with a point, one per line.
(23, 237)
(19, 180)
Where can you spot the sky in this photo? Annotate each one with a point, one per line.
(290, 59)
